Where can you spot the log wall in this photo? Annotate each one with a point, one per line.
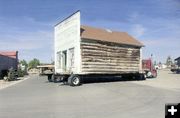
(106, 57)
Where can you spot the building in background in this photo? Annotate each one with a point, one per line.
(177, 60)
(8, 59)
(45, 68)
(176, 67)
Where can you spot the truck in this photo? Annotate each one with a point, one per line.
(83, 52)
(148, 68)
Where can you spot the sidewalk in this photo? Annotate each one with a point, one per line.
(5, 84)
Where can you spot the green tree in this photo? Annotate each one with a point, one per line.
(22, 70)
(23, 63)
(33, 63)
(169, 61)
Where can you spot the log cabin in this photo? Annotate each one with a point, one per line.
(84, 50)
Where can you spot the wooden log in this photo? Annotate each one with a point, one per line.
(93, 57)
(109, 64)
(107, 54)
(108, 57)
(110, 68)
(125, 53)
(90, 46)
(107, 70)
(106, 46)
(108, 49)
(87, 41)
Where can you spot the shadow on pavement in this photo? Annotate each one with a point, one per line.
(107, 79)
(91, 80)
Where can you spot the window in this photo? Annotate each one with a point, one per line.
(71, 58)
(59, 59)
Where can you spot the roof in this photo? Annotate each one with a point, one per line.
(88, 32)
(67, 17)
(177, 59)
(12, 54)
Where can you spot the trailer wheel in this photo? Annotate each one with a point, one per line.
(74, 80)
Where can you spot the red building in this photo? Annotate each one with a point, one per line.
(8, 59)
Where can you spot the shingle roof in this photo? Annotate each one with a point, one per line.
(88, 32)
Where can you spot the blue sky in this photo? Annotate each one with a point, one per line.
(27, 25)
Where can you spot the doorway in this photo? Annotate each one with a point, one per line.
(64, 60)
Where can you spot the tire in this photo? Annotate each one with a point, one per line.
(74, 80)
(64, 80)
(142, 76)
(149, 74)
(50, 78)
(57, 79)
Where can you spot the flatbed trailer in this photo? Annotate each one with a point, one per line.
(86, 52)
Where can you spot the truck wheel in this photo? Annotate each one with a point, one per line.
(50, 78)
(149, 74)
(57, 79)
(74, 80)
(64, 80)
(142, 77)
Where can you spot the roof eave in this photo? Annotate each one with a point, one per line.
(136, 45)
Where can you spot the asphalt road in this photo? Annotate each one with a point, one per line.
(37, 98)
